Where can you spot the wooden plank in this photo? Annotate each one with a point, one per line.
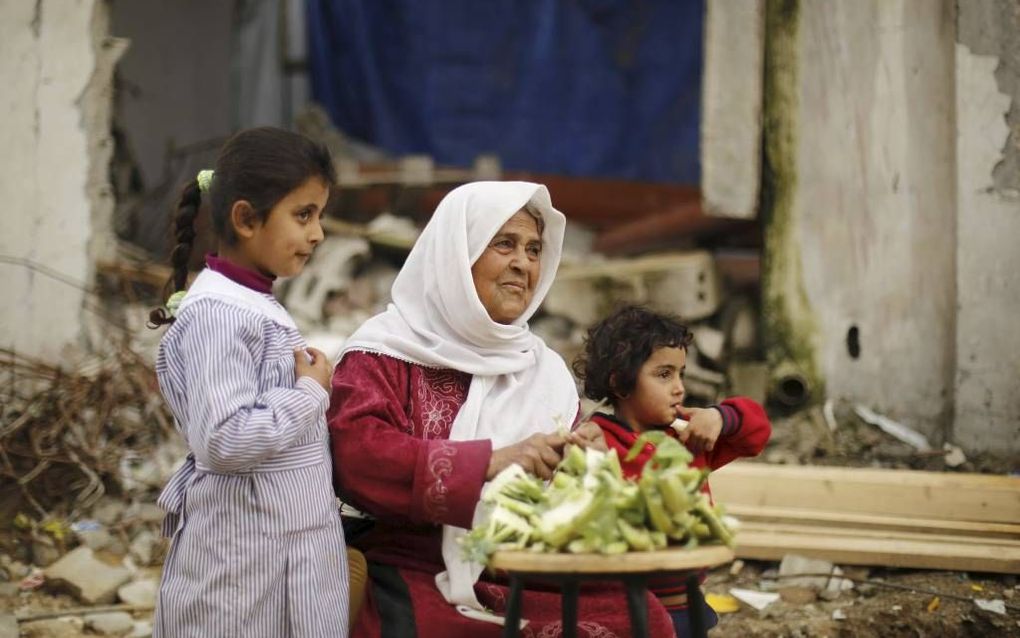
(903, 493)
(666, 229)
(766, 545)
(753, 513)
(878, 534)
(670, 559)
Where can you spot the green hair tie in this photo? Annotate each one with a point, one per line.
(204, 180)
(173, 304)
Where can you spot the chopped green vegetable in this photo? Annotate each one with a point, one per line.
(589, 507)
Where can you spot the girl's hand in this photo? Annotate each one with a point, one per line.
(539, 454)
(703, 428)
(588, 435)
(310, 362)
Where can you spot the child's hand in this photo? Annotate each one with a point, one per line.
(310, 362)
(703, 428)
(588, 435)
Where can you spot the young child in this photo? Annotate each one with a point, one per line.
(636, 359)
(256, 543)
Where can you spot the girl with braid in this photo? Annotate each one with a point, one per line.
(257, 547)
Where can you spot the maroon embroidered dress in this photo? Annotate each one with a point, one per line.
(389, 423)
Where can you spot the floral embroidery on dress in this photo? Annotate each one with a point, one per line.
(493, 595)
(439, 394)
(440, 465)
(590, 629)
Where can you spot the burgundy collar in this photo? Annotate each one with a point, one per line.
(247, 278)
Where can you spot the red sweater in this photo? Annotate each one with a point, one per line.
(746, 430)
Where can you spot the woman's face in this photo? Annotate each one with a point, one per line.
(506, 273)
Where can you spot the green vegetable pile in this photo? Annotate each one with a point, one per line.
(589, 507)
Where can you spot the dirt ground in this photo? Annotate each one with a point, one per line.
(869, 610)
(872, 610)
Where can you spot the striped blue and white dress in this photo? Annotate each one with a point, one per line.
(257, 547)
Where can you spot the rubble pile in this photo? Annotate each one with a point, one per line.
(68, 435)
(83, 452)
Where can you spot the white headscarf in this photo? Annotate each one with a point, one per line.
(519, 386)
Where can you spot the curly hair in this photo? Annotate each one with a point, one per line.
(616, 348)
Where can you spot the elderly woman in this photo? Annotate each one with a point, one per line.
(436, 395)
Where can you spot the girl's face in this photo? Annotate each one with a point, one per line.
(284, 242)
(506, 273)
(658, 392)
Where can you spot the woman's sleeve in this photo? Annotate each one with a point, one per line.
(380, 466)
(231, 425)
(746, 430)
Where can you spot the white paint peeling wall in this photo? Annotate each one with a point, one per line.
(731, 104)
(47, 60)
(988, 266)
(874, 207)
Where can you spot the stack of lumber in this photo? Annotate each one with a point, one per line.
(863, 516)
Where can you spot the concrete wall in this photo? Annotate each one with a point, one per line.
(55, 62)
(731, 101)
(988, 226)
(875, 201)
(900, 217)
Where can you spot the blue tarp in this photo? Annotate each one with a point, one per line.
(600, 88)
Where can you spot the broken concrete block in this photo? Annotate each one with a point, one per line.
(95, 538)
(149, 513)
(145, 547)
(711, 342)
(63, 627)
(576, 298)
(798, 595)
(739, 321)
(332, 269)
(793, 564)
(108, 510)
(686, 284)
(86, 577)
(44, 552)
(683, 283)
(15, 569)
(749, 379)
(114, 623)
(141, 593)
(8, 626)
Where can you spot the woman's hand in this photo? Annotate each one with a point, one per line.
(703, 428)
(313, 363)
(588, 435)
(539, 454)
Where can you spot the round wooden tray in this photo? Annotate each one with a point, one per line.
(669, 559)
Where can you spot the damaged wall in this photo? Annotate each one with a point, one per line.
(874, 202)
(902, 228)
(988, 226)
(55, 70)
